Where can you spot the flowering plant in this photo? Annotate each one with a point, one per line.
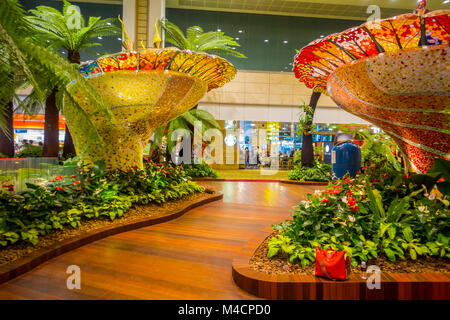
(94, 192)
(375, 213)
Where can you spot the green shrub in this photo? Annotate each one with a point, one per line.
(30, 151)
(93, 193)
(200, 170)
(374, 214)
(320, 172)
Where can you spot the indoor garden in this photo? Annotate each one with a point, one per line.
(187, 166)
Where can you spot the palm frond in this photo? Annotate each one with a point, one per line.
(174, 34)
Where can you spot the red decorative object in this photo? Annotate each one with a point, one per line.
(332, 264)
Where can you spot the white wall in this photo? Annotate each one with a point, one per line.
(323, 114)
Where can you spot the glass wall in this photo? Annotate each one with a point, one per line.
(263, 142)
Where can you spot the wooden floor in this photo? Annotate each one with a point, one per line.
(187, 258)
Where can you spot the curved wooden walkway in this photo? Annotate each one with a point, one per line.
(187, 258)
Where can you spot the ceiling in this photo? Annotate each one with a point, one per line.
(340, 9)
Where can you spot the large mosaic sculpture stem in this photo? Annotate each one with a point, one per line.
(142, 97)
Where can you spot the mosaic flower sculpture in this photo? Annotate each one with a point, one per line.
(143, 90)
(394, 73)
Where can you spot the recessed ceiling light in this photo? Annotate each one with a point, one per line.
(99, 38)
(219, 30)
(285, 41)
(266, 40)
(237, 38)
(240, 31)
(120, 39)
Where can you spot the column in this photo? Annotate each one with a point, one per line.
(156, 11)
(129, 19)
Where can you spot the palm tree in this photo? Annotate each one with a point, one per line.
(185, 121)
(22, 59)
(66, 30)
(307, 144)
(215, 42)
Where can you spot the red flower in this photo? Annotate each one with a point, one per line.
(364, 168)
(408, 177)
(385, 175)
(51, 180)
(74, 177)
(440, 180)
(358, 172)
(77, 182)
(325, 200)
(354, 208)
(60, 188)
(60, 178)
(335, 191)
(348, 181)
(375, 180)
(351, 201)
(349, 192)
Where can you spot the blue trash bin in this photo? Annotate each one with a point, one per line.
(345, 157)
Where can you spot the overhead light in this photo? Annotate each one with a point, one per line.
(266, 40)
(237, 38)
(446, 1)
(120, 39)
(100, 38)
(240, 31)
(285, 41)
(219, 30)
(108, 23)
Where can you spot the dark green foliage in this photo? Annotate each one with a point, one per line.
(30, 151)
(320, 172)
(94, 193)
(199, 170)
(374, 214)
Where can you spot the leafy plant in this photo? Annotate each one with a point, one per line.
(67, 29)
(196, 39)
(39, 66)
(320, 172)
(96, 192)
(30, 151)
(372, 215)
(199, 170)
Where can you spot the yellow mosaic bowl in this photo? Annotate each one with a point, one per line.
(144, 91)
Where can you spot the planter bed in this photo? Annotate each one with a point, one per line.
(277, 279)
(20, 258)
(317, 183)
